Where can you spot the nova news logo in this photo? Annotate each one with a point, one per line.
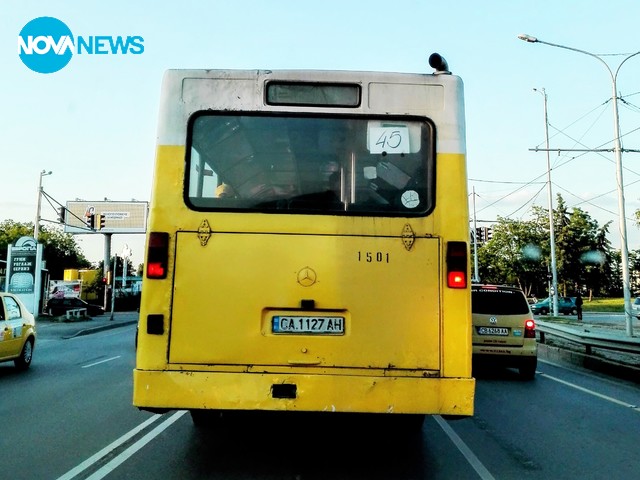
(46, 45)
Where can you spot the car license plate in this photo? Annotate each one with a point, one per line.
(493, 331)
(304, 324)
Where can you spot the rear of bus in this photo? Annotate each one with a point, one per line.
(307, 245)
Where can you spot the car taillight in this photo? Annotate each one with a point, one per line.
(457, 265)
(529, 329)
(157, 255)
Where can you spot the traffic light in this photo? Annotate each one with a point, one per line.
(488, 234)
(480, 235)
(101, 221)
(62, 215)
(91, 221)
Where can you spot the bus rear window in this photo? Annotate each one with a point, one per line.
(317, 94)
(304, 164)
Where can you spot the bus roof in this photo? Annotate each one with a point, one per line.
(436, 96)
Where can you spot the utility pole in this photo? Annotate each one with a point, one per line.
(553, 290)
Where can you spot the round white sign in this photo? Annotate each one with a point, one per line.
(410, 199)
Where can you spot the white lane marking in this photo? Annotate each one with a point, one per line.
(108, 449)
(591, 392)
(475, 463)
(600, 378)
(101, 361)
(117, 461)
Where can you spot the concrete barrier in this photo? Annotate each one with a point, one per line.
(76, 313)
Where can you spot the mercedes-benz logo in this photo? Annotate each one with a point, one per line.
(307, 277)
(493, 320)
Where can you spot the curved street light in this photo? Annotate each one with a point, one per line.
(617, 148)
(36, 227)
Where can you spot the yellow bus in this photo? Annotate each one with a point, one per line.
(308, 245)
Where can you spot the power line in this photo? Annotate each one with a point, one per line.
(568, 159)
(531, 201)
(502, 181)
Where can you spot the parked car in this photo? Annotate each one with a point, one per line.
(60, 306)
(504, 331)
(566, 306)
(17, 332)
(635, 307)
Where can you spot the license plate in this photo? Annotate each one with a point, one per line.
(493, 331)
(304, 324)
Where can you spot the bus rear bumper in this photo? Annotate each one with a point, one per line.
(160, 390)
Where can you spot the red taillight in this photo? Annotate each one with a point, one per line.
(457, 280)
(156, 270)
(529, 329)
(157, 255)
(457, 265)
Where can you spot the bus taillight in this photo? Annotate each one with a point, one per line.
(457, 265)
(157, 255)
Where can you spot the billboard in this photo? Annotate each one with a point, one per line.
(24, 272)
(22, 266)
(119, 217)
(63, 289)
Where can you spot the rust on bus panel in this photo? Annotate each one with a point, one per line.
(204, 233)
(408, 236)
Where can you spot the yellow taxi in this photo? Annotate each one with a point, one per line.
(17, 331)
(504, 331)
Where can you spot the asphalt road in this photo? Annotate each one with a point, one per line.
(70, 417)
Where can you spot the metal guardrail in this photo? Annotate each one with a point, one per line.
(589, 340)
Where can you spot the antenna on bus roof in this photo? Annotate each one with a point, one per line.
(437, 62)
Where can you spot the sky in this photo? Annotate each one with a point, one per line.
(93, 123)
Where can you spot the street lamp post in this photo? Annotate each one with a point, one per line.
(552, 234)
(617, 148)
(126, 253)
(476, 275)
(36, 227)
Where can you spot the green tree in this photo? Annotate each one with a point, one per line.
(60, 250)
(583, 252)
(634, 267)
(575, 241)
(520, 253)
(615, 288)
(561, 215)
(598, 265)
(513, 255)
